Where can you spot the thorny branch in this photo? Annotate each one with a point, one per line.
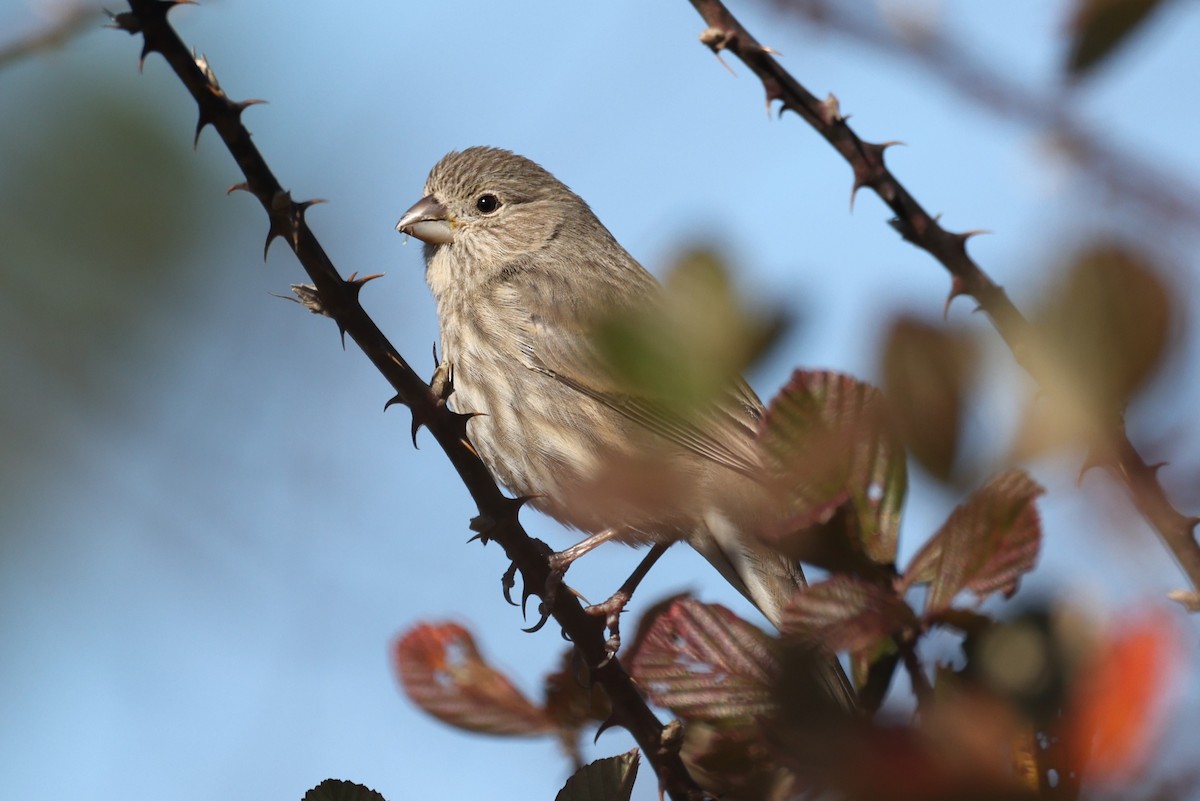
(338, 298)
(1163, 197)
(1115, 452)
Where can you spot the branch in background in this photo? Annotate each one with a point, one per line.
(1112, 448)
(1122, 174)
(68, 23)
(338, 298)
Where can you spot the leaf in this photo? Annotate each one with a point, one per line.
(686, 347)
(704, 663)
(985, 546)
(844, 613)
(572, 701)
(1106, 330)
(826, 437)
(608, 779)
(926, 370)
(1100, 26)
(1123, 688)
(340, 790)
(443, 672)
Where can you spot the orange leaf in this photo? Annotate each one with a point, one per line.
(1121, 689)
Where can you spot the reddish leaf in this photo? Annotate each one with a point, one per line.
(608, 779)
(1124, 684)
(339, 790)
(845, 613)
(704, 663)
(829, 447)
(985, 546)
(443, 673)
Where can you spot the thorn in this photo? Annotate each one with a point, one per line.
(241, 106)
(355, 284)
(957, 287)
(507, 582)
(724, 63)
(608, 723)
(436, 363)
(147, 49)
(201, 121)
(1154, 468)
(962, 238)
(242, 187)
(1192, 522)
(461, 419)
(392, 401)
(273, 233)
(306, 205)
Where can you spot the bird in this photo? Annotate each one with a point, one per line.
(522, 273)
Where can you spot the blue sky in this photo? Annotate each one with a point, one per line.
(202, 577)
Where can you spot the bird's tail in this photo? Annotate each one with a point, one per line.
(767, 579)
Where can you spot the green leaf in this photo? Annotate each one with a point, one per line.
(687, 347)
(1100, 26)
(986, 544)
(829, 446)
(704, 663)
(609, 779)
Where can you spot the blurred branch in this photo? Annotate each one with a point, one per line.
(1163, 196)
(71, 21)
(338, 298)
(1113, 449)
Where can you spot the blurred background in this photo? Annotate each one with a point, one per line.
(210, 532)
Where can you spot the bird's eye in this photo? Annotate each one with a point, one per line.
(487, 203)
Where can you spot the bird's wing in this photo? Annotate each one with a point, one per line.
(556, 345)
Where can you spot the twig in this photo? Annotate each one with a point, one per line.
(1126, 177)
(1114, 452)
(338, 299)
(71, 22)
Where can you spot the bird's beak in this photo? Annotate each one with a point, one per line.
(429, 221)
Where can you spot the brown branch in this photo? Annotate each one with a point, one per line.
(1162, 196)
(916, 225)
(338, 298)
(69, 23)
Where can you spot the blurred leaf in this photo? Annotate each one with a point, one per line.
(690, 345)
(572, 701)
(732, 760)
(704, 663)
(1122, 687)
(985, 546)
(1099, 26)
(844, 613)
(608, 779)
(1105, 329)
(926, 370)
(443, 672)
(830, 449)
(340, 790)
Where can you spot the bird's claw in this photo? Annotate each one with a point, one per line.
(507, 582)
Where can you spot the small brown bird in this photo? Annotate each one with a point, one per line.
(522, 272)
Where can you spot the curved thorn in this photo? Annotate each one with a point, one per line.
(608, 723)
